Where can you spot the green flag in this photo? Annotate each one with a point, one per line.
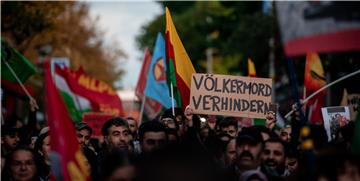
(18, 63)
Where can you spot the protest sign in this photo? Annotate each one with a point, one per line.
(351, 100)
(334, 119)
(96, 120)
(227, 95)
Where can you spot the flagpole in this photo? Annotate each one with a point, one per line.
(322, 88)
(18, 80)
(172, 99)
(142, 108)
(304, 97)
(295, 94)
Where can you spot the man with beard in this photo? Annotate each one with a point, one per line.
(273, 159)
(249, 144)
(116, 134)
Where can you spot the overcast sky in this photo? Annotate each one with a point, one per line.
(122, 21)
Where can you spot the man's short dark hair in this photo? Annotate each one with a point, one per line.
(113, 122)
(150, 126)
(278, 140)
(249, 134)
(228, 121)
(8, 130)
(81, 126)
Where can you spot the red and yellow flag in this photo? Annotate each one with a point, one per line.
(180, 68)
(62, 133)
(314, 79)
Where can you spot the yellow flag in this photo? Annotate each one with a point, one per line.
(251, 68)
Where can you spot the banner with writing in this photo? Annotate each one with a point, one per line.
(96, 121)
(230, 95)
(102, 96)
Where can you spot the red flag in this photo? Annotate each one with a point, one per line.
(62, 133)
(102, 97)
(314, 79)
(141, 84)
(152, 107)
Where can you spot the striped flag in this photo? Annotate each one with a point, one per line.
(179, 67)
(75, 103)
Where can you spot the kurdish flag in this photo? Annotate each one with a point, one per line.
(18, 63)
(156, 86)
(179, 67)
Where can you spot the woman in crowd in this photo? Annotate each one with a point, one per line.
(21, 165)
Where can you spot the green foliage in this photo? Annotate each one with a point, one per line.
(237, 30)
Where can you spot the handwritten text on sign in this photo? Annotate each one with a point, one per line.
(230, 95)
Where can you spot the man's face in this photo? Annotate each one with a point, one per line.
(11, 141)
(273, 155)
(153, 141)
(132, 125)
(230, 153)
(45, 149)
(168, 123)
(204, 133)
(247, 155)
(83, 137)
(22, 166)
(285, 134)
(118, 137)
(291, 164)
(230, 130)
(180, 123)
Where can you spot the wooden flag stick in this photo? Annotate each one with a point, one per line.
(172, 99)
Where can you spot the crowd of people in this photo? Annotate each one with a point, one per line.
(186, 146)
